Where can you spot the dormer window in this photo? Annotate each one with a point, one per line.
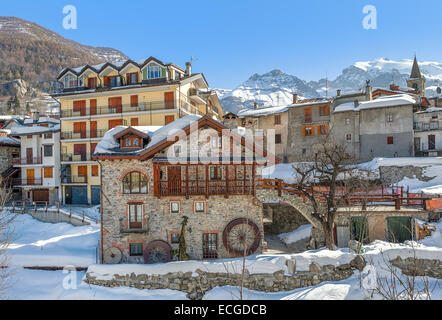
(131, 141)
(70, 81)
(128, 142)
(132, 138)
(154, 72)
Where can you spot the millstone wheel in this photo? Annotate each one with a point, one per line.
(241, 235)
(157, 251)
(112, 255)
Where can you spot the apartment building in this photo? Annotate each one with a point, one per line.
(39, 160)
(428, 132)
(98, 98)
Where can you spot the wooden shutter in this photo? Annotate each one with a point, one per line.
(48, 173)
(106, 80)
(95, 171)
(93, 146)
(169, 100)
(134, 122)
(169, 119)
(134, 101)
(93, 129)
(93, 106)
(114, 123)
(82, 171)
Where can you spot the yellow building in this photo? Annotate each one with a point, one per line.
(98, 98)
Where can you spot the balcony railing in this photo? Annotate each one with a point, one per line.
(426, 126)
(121, 83)
(34, 160)
(74, 179)
(83, 135)
(75, 157)
(28, 181)
(204, 187)
(128, 108)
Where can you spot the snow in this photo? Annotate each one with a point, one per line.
(303, 232)
(157, 135)
(49, 285)
(42, 244)
(261, 111)
(382, 102)
(9, 141)
(23, 130)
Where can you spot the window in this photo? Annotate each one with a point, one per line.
(135, 216)
(29, 136)
(348, 137)
(347, 122)
(154, 72)
(389, 118)
(135, 142)
(135, 249)
(70, 81)
(308, 131)
(132, 78)
(48, 135)
(323, 129)
(134, 122)
(277, 119)
(94, 171)
(324, 110)
(134, 101)
(128, 142)
(278, 139)
(112, 81)
(47, 151)
(134, 182)
(390, 140)
(199, 206)
(175, 207)
(308, 115)
(216, 141)
(210, 246)
(92, 83)
(48, 173)
(174, 237)
(215, 173)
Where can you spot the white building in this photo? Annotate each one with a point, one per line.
(428, 132)
(39, 159)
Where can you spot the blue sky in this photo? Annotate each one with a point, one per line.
(231, 39)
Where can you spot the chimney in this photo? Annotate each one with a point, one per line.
(295, 98)
(338, 92)
(36, 116)
(188, 68)
(369, 93)
(255, 105)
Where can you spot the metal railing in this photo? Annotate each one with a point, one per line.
(75, 157)
(426, 126)
(27, 181)
(34, 160)
(128, 108)
(67, 135)
(74, 179)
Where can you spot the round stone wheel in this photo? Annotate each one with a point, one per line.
(241, 235)
(157, 251)
(112, 255)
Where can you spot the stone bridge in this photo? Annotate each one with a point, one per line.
(304, 208)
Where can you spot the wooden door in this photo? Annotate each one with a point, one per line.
(174, 180)
(116, 104)
(40, 195)
(93, 104)
(80, 106)
(29, 156)
(169, 100)
(114, 123)
(30, 177)
(80, 149)
(169, 119)
(80, 127)
(431, 142)
(93, 129)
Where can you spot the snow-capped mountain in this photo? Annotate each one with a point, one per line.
(276, 87)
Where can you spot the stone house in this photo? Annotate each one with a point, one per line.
(9, 150)
(193, 174)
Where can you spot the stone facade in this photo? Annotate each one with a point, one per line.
(6, 155)
(284, 219)
(159, 223)
(419, 267)
(197, 283)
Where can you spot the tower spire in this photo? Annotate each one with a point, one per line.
(415, 71)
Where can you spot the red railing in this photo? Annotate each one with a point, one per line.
(34, 160)
(376, 196)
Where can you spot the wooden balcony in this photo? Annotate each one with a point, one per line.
(204, 188)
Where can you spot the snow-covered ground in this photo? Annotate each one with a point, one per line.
(302, 232)
(47, 244)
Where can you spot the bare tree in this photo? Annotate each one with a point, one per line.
(6, 232)
(327, 179)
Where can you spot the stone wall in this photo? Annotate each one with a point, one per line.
(6, 156)
(195, 284)
(419, 267)
(284, 217)
(391, 175)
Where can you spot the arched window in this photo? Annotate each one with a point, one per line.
(134, 182)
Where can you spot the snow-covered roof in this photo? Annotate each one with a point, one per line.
(108, 145)
(42, 120)
(382, 102)
(261, 111)
(25, 130)
(8, 141)
(431, 109)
